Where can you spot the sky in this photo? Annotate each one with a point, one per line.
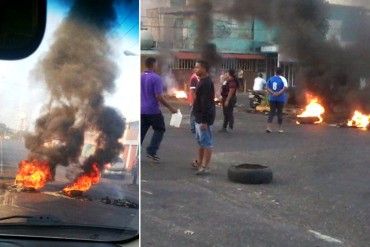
(22, 98)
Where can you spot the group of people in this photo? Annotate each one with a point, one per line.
(203, 108)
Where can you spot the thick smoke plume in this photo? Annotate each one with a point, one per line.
(325, 65)
(77, 71)
(204, 19)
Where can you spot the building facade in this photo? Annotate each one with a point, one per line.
(249, 45)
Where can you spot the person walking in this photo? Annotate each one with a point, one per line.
(276, 86)
(151, 115)
(205, 114)
(194, 80)
(228, 93)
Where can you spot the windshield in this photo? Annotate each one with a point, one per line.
(67, 111)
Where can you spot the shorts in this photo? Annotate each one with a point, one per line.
(204, 137)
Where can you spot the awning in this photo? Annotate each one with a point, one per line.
(242, 56)
(187, 55)
(196, 55)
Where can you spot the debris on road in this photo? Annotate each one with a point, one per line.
(188, 232)
(119, 202)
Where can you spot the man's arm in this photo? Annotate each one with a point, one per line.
(284, 88)
(163, 101)
(206, 103)
(268, 89)
(231, 93)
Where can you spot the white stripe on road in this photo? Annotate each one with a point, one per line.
(325, 237)
(147, 192)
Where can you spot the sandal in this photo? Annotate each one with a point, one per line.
(195, 164)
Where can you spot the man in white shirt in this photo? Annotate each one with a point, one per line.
(259, 83)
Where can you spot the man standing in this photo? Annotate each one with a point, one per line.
(205, 113)
(259, 83)
(241, 77)
(276, 86)
(194, 80)
(151, 115)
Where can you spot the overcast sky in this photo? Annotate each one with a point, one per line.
(20, 97)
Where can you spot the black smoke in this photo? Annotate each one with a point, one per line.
(204, 20)
(327, 68)
(78, 70)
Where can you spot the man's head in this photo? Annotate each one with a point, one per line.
(279, 71)
(260, 75)
(201, 68)
(151, 63)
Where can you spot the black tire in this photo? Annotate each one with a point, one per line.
(250, 174)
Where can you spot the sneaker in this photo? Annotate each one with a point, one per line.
(229, 130)
(153, 157)
(201, 171)
(281, 131)
(268, 130)
(206, 170)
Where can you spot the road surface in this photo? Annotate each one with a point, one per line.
(319, 197)
(88, 209)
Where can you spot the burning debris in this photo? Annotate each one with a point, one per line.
(33, 175)
(77, 70)
(312, 113)
(83, 183)
(359, 120)
(179, 94)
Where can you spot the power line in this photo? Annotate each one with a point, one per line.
(123, 21)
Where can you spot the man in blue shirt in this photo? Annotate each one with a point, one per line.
(276, 86)
(151, 115)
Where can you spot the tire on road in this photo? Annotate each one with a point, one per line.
(250, 174)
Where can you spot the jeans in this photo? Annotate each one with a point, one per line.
(156, 121)
(228, 112)
(192, 119)
(276, 107)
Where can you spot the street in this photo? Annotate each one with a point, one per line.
(87, 209)
(319, 197)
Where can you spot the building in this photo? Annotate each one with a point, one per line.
(172, 26)
(249, 45)
(130, 141)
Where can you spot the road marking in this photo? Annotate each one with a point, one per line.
(147, 192)
(325, 237)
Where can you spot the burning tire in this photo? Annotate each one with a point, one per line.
(250, 174)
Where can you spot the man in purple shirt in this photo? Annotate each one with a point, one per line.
(151, 115)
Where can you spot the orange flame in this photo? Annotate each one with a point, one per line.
(313, 109)
(180, 94)
(84, 182)
(33, 174)
(359, 120)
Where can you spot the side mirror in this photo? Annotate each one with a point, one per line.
(22, 27)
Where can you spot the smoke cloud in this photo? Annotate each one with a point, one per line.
(325, 65)
(77, 71)
(204, 20)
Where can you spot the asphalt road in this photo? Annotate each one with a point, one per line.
(319, 197)
(88, 209)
